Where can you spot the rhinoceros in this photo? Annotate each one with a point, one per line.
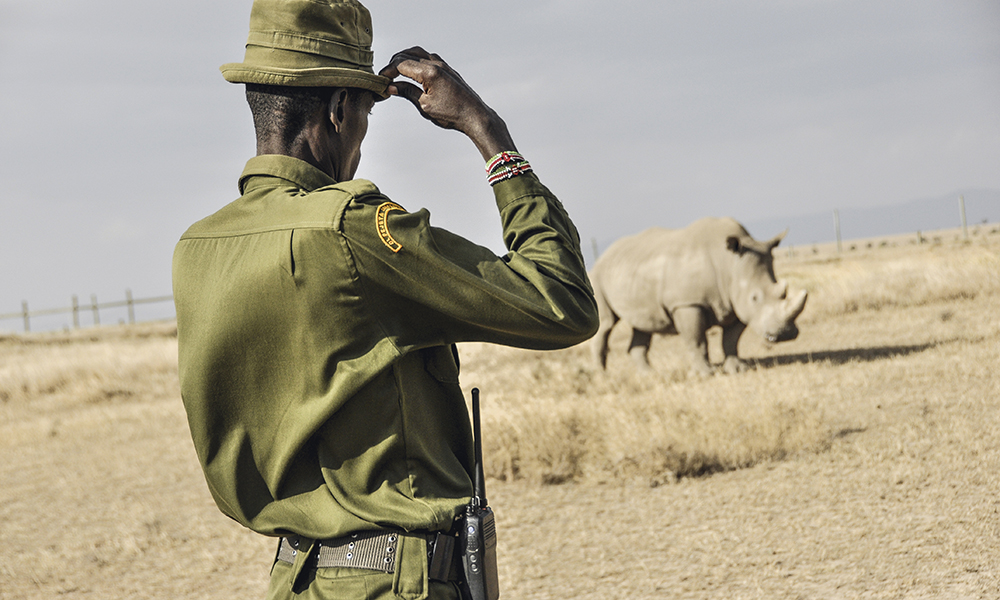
(684, 281)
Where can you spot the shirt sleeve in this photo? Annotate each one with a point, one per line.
(428, 286)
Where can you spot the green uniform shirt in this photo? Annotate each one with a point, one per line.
(316, 323)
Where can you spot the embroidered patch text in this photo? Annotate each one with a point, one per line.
(381, 225)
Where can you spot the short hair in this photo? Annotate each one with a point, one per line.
(281, 111)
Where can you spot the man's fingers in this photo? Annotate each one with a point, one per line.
(407, 90)
(441, 95)
(405, 66)
(433, 87)
(415, 53)
(391, 70)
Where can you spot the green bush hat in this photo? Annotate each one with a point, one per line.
(309, 43)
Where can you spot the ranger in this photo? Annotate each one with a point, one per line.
(317, 318)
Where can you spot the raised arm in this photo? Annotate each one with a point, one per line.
(536, 296)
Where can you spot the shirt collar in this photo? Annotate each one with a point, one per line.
(300, 173)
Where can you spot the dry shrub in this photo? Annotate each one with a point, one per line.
(649, 438)
(563, 422)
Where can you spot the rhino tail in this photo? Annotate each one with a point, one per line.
(607, 320)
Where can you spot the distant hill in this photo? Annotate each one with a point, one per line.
(942, 212)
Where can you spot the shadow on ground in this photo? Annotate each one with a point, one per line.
(839, 357)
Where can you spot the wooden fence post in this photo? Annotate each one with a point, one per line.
(93, 307)
(836, 226)
(25, 314)
(131, 306)
(961, 209)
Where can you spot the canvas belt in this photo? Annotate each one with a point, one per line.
(376, 551)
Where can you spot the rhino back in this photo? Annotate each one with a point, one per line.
(646, 276)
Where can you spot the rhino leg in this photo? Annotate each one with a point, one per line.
(730, 340)
(608, 319)
(638, 348)
(691, 325)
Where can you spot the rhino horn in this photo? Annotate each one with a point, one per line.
(796, 304)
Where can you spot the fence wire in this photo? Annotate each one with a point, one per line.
(75, 308)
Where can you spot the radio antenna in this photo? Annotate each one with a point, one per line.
(479, 481)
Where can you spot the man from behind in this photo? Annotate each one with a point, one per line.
(317, 319)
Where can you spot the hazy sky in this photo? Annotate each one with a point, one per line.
(119, 130)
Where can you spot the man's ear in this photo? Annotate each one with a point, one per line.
(338, 108)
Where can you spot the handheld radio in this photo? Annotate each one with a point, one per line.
(478, 537)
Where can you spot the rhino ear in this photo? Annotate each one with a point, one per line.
(733, 243)
(741, 244)
(773, 243)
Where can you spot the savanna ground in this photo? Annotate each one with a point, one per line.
(861, 460)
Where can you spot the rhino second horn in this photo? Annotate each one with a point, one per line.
(782, 289)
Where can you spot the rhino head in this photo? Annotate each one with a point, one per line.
(759, 300)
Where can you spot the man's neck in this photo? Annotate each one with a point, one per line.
(308, 146)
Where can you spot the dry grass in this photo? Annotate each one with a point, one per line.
(861, 460)
(553, 418)
(88, 367)
(550, 418)
(101, 494)
(47, 375)
(902, 276)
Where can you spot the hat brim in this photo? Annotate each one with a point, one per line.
(315, 77)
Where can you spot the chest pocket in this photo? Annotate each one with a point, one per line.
(442, 363)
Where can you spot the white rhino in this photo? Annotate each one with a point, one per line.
(684, 281)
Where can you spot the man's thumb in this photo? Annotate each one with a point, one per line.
(407, 90)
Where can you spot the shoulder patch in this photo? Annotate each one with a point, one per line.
(381, 225)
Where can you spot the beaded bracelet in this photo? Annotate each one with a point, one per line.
(507, 172)
(503, 158)
(506, 165)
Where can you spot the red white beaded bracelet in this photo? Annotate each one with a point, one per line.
(511, 171)
(503, 158)
(505, 165)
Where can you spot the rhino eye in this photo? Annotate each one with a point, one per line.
(755, 297)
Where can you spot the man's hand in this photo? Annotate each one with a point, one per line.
(445, 99)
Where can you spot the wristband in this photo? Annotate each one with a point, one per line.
(506, 165)
(503, 158)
